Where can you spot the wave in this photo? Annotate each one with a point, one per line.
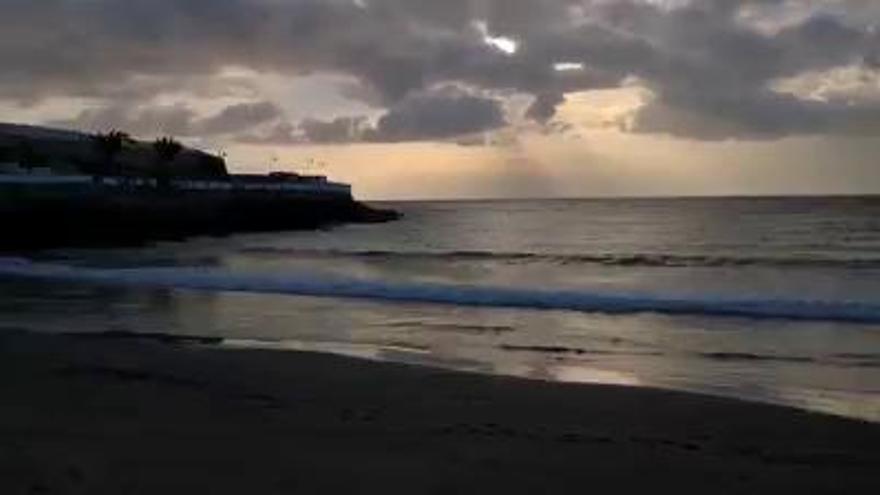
(555, 349)
(320, 285)
(748, 356)
(452, 327)
(633, 259)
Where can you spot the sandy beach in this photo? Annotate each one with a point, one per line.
(117, 415)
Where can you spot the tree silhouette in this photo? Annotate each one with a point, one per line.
(109, 146)
(166, 149)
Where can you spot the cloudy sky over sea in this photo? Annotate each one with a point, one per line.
(473, 98)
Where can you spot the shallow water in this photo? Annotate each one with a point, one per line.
(773, 299)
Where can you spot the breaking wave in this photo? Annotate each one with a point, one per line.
(634, 259)
(321, 285)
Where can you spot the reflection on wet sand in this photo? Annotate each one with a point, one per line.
(824, 367)
(584, 374)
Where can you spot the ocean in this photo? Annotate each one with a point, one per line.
(766, 299)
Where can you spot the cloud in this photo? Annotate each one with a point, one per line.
(437, 116)
(339, 130)
(440, 114)
(281, 134)
(765, 116)
(236, 118)
(176, 120)
(544, 106)
(715, 61)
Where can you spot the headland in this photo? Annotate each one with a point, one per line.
(62, 188)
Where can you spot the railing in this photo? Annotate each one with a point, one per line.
(323, 188)
(49, 180)
(275, 187)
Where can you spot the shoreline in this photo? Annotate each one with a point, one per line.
(371, 354)
(109, 415)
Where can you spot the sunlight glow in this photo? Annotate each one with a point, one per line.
(853, 84)
(568, 66)
(508, 46)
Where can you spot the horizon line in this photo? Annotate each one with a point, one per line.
(630, 197)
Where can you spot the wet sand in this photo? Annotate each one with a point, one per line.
(124, 416)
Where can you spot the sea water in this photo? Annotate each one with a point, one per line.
(767, 299)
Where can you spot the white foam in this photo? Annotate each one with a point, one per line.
(322, 285)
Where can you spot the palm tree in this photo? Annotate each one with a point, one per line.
(167, 150)
(109, 146)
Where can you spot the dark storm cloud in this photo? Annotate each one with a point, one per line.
(710, 71)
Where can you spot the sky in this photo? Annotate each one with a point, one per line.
(413, 99)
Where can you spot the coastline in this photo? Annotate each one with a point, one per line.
(109, 190)
(128, 219)
(110, 415)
